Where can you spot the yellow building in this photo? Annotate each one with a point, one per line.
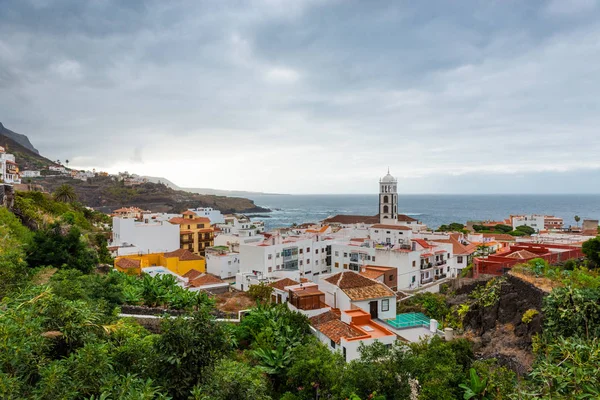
(195, 233)
(180, 262)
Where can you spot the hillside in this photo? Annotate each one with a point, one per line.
(106, 194)
(27, 156)
(216, 192)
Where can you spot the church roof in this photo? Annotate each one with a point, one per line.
(388, 179)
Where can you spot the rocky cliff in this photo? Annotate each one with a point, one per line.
(499, 330)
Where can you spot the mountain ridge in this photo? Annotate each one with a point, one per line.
(207, 191)
(19, 138)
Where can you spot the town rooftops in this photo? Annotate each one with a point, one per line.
(188, 212)
(330, 325)
(392, 227)
(501, 237)
(282, 283)
(363, 219)
(128, 263)
(192, 274)
(205, 280)
(459, 249)
(522, 255)
(358, 287)
(183, 255)
(423, 243)
(183, 221)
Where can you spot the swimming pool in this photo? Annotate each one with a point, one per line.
(409, 320)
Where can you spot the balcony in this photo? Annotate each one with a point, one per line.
(440, 263)
(426, 266)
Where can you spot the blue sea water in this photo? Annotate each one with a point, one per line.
(433, 210)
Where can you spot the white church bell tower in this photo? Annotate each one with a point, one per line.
(388, 199)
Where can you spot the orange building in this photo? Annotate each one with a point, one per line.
(195, 233)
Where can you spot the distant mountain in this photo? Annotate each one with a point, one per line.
(27, 156)
(19, 138)
(215, 192)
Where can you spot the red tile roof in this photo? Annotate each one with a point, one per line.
(372, 274)
(280, 284)
(522, 255)
(500, 237)
(183, 255)
(392, 227)
(128, 263)
(188, 212)
(205, 279)
(406, 218)
(423, 243)
(352, 219)
(188, 221)
(192, 274)
(358, 287)
(329, 324)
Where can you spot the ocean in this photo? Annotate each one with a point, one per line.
(433, 210)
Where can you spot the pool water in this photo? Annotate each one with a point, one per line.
(409, 320)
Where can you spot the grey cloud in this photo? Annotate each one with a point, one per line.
(431, 88)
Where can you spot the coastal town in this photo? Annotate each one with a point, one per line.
(346, 273)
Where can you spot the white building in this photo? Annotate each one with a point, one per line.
(215, 216)
(222, 262)
(146, 236)
(30, 174)
(534, 221)
(83, 175)
(9, 171)
(349, 290)
(57, 168)
(279, 256)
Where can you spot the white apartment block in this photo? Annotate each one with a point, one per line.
(215, 216)
(276, 257)
(534, 221)
(9, 171)
(30, 174)
(147, 236)
(221, 262)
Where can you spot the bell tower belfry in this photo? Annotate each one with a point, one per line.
(388, 199)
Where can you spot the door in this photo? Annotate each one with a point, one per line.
(373, 308)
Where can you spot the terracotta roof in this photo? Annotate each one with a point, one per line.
(323, 318)
(188, 212)
(392, 227)
(205, 279)
(353, 219)
(330, 325)
(280, 284)
(500, 236)
(406, 218)
(183, 255)
(192, 274)
(372, 274)
(423, 243)
(127, 263)
(358, 287)
(184, 221)
(458, 249)
(522, 255)
(336, 330)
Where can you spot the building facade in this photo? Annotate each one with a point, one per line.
(195, 233)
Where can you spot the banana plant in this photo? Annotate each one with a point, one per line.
(476, 388)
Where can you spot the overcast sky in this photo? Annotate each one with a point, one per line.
(311, 96)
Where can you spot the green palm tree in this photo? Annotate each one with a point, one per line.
(577, 219)
(65, 193)
(482, 249)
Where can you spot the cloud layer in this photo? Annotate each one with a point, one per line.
(311, 96)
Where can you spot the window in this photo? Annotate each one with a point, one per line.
(300, 262)
(337, 264)
(316, 251)
(414, 263)
(277, 255)
(459, 259)
(270, 269)
(345, 255)
(391, 278)
(385, 305)
(308, 249)
(332, 343)
(388, 232)
(317, 262)
(337, 253)
(373, 258)
(229, 262)
(301, 251)
(344, 352)
(376, 231)
(345, 266)
(270, 256)
(308, 260)
(413, 279)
